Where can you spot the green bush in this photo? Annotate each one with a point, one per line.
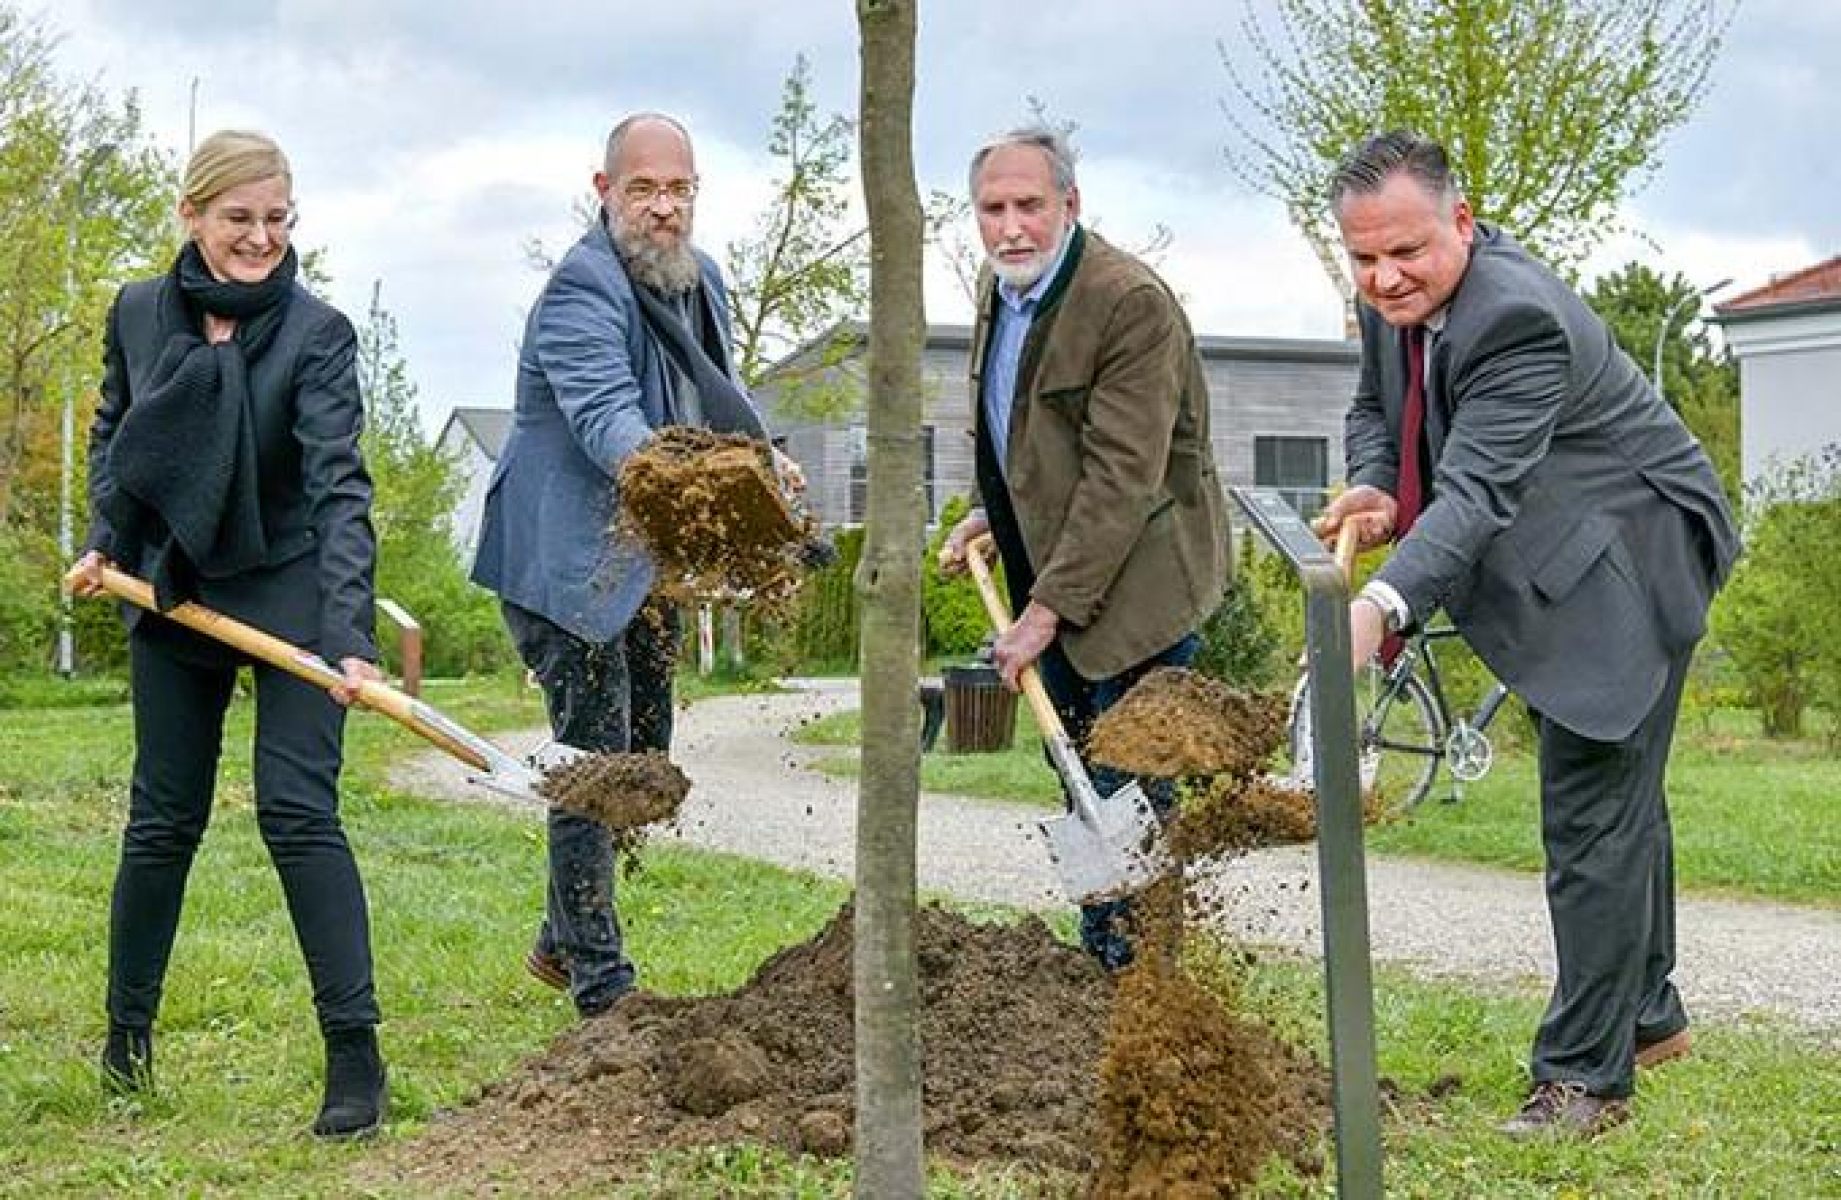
(28, 601)
(954, 616)
(820, 631)
(462, 632)
(1239, 639)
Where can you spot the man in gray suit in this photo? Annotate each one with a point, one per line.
(630, 334)
(1541, 493)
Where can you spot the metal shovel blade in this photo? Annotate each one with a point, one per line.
(1107, 849)
(521, 778)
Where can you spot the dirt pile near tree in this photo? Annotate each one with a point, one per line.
(710, 511)
(1013, 1025)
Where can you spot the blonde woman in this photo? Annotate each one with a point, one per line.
(224, 467)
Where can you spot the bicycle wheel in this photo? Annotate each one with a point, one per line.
(1402, 739)
(1402, 742)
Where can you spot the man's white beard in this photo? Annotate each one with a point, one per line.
(1022, 276)
(669, 269)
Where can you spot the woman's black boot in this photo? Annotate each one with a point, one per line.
(355, 1085)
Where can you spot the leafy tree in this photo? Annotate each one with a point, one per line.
(415, 487)
(804, 269)
(1553, 110)
(1700, 380)
(1777, 617)
(85, 203)
(888, 1120)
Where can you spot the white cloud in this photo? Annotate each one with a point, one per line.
(431, 141)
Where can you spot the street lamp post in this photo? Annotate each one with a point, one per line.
(67, 445)
(1668, 322)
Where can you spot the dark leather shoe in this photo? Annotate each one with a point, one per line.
(356, 1086)
(127, 1060)
(547, 969)
(1564, 1108)
(1654, 1054)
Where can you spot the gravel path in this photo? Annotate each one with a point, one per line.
(754, 793)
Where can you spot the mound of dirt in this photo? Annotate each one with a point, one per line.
(1176, 722)
(709, 509)
(1013, 1024)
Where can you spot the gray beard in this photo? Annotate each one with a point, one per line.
(671, 271)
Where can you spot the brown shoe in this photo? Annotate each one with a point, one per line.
(547, 969)
(1565, 1108)
(1654, 1054)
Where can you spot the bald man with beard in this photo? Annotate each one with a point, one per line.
(630, 334)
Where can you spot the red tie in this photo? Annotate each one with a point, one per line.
(1411, 491)
(1412, 434)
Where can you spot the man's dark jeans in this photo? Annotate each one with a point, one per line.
(1105, 928)
(604, 696)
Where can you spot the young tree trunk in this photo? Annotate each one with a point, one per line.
(888, 1123)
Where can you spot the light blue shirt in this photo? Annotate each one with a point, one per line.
(1016, 312)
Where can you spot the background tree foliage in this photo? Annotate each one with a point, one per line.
(805, 268)
(415, 487)
(1553, 110)
(1700, 379)
(85, 203)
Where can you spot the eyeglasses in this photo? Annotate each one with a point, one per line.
(646, 191)
(278, 223)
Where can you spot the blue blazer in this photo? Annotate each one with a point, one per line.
(592, 387)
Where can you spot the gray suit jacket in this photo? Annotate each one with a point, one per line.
(1576, 531)
(592, 386)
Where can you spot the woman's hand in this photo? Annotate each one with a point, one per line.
(86, 577)
(357, 673)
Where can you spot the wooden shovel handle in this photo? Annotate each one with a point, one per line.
(1345, 550)
(976, 555)
(380, 697)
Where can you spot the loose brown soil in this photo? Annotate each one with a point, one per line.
(1013, 1024)
(622, 791)
(1170, 1128)
(709, 509)
(1176, 722)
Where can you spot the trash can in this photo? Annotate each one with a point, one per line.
(980, 710)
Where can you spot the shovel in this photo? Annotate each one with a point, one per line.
(1108, 846)
(492, 767)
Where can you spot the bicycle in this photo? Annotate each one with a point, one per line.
(1407, 727)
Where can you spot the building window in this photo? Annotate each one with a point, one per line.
(1298, 467)
(859, 473)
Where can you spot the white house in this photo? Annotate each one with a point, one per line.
(473, 439)
(1787, 337)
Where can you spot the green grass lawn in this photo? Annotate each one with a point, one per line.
(455, 890)
(1752, 817)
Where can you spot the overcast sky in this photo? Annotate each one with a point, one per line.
(431, 141)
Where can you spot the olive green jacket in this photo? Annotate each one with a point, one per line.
(1109, 470)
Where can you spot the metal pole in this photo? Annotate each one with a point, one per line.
(67, 426)
(1655, 374)
(67, 455)
(1342, 874)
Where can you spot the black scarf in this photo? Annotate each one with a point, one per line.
(184, 456)
(726, 408)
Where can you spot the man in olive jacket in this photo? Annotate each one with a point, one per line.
(1094, 467)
